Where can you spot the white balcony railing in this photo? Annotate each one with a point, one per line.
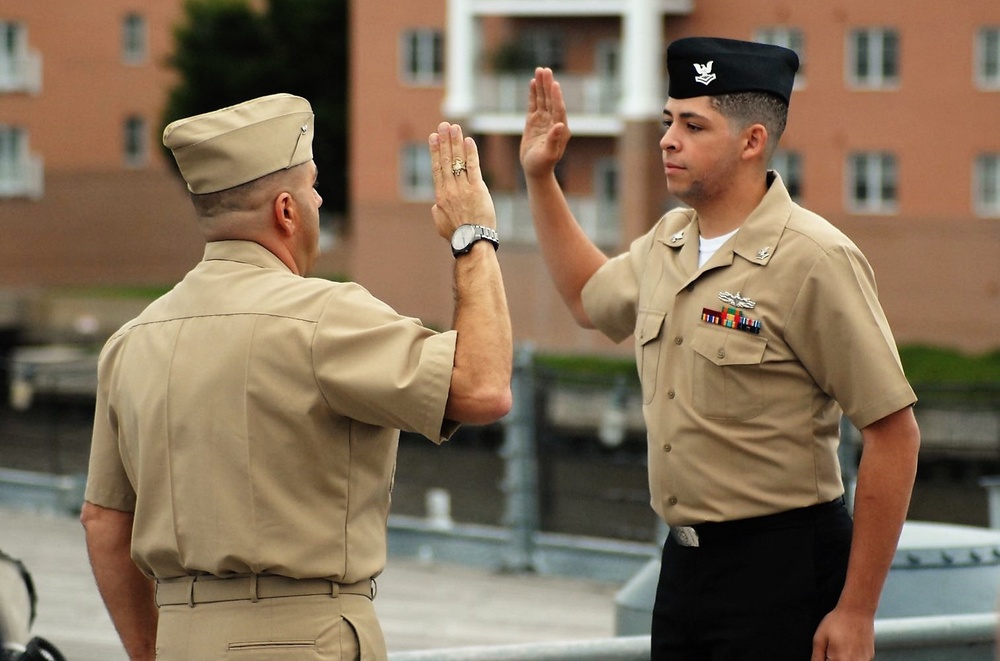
(24, 177)
(586, 95)
(21, 73)
(598, 218)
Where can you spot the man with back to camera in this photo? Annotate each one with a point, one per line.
(756, 324)
(247, 422)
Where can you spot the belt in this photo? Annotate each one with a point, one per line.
(713, 531)
(206, 589)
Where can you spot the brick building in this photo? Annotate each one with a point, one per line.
(894, 136)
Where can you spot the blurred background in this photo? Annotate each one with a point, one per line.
(894, 136)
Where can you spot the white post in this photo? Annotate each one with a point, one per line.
(642, 61)
(460, 61)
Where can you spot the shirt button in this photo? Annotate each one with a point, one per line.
(678, 340)
(667, 447)
(722, 353)
(671, 394)
(672, 500)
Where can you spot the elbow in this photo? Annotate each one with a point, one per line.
(485, 406)
(492, 405)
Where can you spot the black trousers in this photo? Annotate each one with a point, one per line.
(754, 590)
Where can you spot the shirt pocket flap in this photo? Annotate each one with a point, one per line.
(648, 325)
(729, 347)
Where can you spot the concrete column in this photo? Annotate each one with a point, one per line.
(460, 61)
(640, 166)
(642, 61)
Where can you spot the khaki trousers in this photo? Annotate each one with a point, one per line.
(313, 628)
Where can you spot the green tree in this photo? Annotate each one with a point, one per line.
(226, 51)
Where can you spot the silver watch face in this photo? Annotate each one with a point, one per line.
(462, 236)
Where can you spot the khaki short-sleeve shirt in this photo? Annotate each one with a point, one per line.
(250, 420)
(747, 362)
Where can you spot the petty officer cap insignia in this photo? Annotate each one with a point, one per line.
(707, 66)
(235, 145)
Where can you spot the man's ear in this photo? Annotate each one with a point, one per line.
(286, 216)
(755, 141)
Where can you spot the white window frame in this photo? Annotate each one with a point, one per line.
(20, 67)
(415, 181)
(880, 169)
(135, 38)
(987, 58)
(135, 141)
(422, 57)
(21, 173)
(986, 185)
(788, 164)
(788, 37)
(876, 77)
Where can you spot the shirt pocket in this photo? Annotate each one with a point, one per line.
(726, 379)
(648, 343)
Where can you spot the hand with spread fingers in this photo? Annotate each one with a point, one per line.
(460, 194)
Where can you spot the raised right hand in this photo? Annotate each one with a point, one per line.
(545, 130)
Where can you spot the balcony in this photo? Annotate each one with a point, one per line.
(23, 177)
(573, 7)
(21, 73)
(501, 102)
(598, 218)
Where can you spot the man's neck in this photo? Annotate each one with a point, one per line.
(727, 214)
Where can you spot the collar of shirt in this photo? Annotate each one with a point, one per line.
(246, 252)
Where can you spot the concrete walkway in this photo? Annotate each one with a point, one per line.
(421, 606)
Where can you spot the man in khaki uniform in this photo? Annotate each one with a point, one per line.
(247, 422)
(756, 323)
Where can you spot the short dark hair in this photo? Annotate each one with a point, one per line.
(238, 198)
(746, 108)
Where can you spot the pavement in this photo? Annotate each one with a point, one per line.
(421, 605)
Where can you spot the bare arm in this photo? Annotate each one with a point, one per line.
(127, 593)
(480, 379)
(885, 481)
(571, 257)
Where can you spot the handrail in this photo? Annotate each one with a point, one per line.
(937, 631)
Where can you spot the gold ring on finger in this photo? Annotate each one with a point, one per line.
(458, 167)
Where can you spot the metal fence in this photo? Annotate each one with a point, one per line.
(938, 638)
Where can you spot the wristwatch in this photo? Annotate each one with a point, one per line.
(466, 235)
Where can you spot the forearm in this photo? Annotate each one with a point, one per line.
(570, 255)
(480, 382)
(127, 593)
(885, 482)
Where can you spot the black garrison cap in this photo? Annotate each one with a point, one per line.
(708, 66)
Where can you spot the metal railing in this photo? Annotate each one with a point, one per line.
(935, 638)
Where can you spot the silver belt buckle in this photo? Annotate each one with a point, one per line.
(685, 535)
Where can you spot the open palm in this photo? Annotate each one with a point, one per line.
(545, 131)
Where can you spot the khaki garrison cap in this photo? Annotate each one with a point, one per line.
(235, 145)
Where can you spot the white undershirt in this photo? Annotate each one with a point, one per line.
(707, 247)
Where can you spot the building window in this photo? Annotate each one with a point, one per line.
(874, 182)
(987, 183)
(423, 57)
(791, 38)
(988, 58)
(20, 68)
(545, 49)
(417, 183)
(134, 39)
(874, 54)
(789, 165)
(136, 149)
(20, 171)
